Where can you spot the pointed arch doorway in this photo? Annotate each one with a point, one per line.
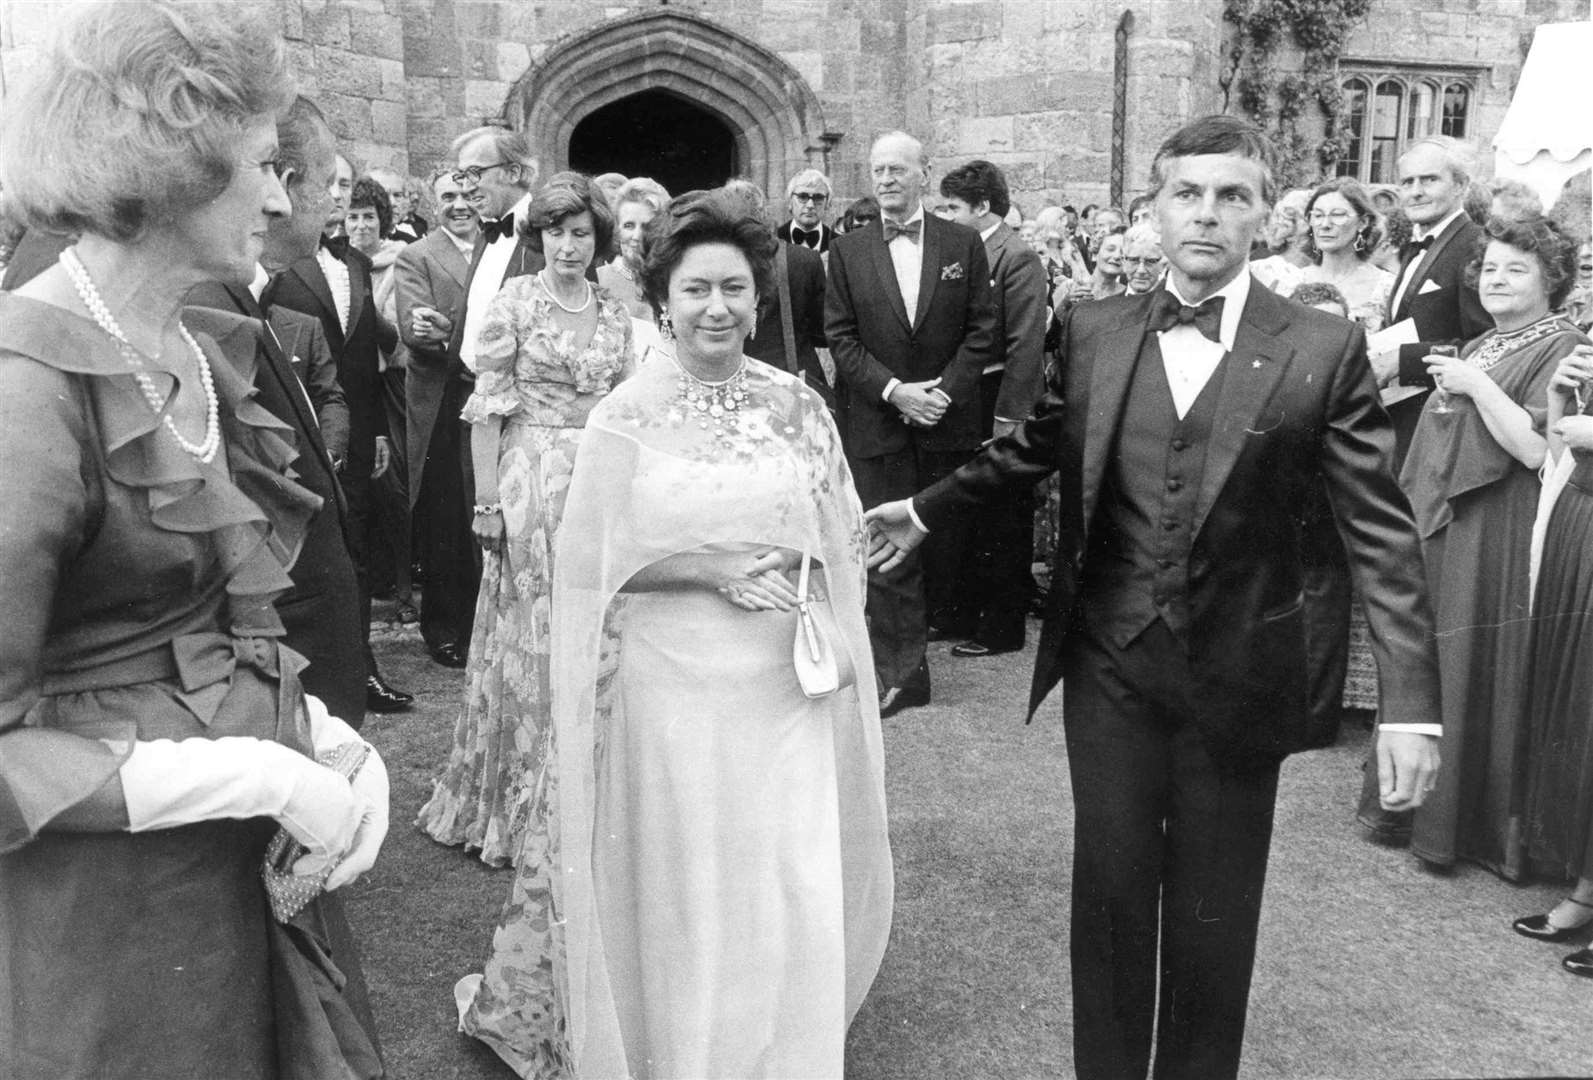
(672, 61)
(658, 134)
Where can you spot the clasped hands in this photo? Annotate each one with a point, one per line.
(1570, 380)
(756, 580)
(921, 404)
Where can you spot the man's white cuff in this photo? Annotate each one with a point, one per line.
(1413, 729)
(892, 385)
(918, 522)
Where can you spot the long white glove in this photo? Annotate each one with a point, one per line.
(168, 783)
(370, 792)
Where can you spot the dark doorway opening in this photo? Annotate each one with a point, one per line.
(658, 134)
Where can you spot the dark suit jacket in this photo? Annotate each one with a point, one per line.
(523, 261)
(303, 287)
(322, 612)
(1446, 309)
(827, 236)
(806, 274)
(1298, 409)
(1019, 297)
(430, 273)
(873, 339)
(35, 253)
(302, 341)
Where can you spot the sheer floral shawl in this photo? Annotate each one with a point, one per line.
(641, 430)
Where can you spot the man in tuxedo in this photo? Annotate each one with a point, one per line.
(1431, 288)
(989, 600)
(333, 285)
(1191, 427)
(494, 171)
(910, 325)
(808, 197)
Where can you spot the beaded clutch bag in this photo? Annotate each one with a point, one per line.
(287, 891)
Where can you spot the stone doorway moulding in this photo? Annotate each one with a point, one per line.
(774, 115)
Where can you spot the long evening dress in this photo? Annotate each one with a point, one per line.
(543, 388)
(710, 893)
(137, 605)
(1474, 504)
(1560, 688)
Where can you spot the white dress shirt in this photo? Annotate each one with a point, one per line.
(1414, 269)
(485, 285)
(335, 271)
(1188, 356)
(907, 259)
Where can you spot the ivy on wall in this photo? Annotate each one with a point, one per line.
(1286, 102)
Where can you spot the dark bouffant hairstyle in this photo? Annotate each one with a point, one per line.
(1313, 293)
(1368, 236)
(367, 192)
(1535, 235)
(978, 182)
(1218, 135)
(703, 217)
(567, 195)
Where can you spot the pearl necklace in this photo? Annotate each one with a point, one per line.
(542, 277)
(205, 451)
(716, 405)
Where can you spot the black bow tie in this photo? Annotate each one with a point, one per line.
(336, 246)
(911, 230)
(1416, 247)
(500, 227)
(1167, 312)
(806, 237)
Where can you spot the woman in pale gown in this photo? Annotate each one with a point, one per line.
(551, 347)
(705, 890)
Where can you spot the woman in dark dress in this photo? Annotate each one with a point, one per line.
(1471, 475)
(153, 731)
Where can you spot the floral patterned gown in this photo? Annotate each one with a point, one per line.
(531, 376)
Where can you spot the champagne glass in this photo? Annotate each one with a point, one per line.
(1443, 405)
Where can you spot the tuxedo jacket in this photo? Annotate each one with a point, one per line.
(1297, 410)
(1445, 308)
(301, 339)
(321, 613)
(430, 273)
(303, 287)
(805, 272)
(1019, 298)
(827, 236)
(874, 338)
(523, 261)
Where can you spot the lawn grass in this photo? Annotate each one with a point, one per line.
(1369, 966)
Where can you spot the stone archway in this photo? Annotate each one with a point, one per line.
(773, 115)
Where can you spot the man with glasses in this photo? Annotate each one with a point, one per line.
(1143, 261)
(808, 195)
(494, 169)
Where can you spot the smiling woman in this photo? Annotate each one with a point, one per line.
(151, 723)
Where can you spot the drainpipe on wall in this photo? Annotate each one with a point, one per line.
(1125, 27)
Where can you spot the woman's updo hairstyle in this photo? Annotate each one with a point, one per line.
(704, 217)
(132, 116)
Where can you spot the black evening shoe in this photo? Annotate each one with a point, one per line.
(1539, 928)
(979, 648)
(448, 654)
(406, 613)
(381, 698)
(897, 698)
(1579, 963)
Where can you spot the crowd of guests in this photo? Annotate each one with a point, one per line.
(610, 448)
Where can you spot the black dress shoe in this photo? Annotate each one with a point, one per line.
(379, 697)
(1579, 963)
(979, 648)
(897, 698)
(448, 654)
(1539, 928)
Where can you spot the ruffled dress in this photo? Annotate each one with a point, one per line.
(138, 606)
(542, 388)
(706, 886)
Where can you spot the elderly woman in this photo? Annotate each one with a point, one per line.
(153, 732)
(713, 841)
(1343, 235)
(551, 347)
(1143, 261)
(636, 203)
(1471, 475)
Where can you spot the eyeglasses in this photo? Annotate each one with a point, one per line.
(813, 197)
(1337, 217)
(1143, 262)
(471, 174)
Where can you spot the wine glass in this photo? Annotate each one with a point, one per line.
(1439, 392)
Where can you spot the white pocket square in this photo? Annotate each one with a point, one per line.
(1429, 286)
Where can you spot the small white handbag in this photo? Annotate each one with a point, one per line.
(821, 668)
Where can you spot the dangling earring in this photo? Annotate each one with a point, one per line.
(1360, 242)
(666, 328)
(753, 332)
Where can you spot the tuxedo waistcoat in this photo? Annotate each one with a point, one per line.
(1144, 529)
